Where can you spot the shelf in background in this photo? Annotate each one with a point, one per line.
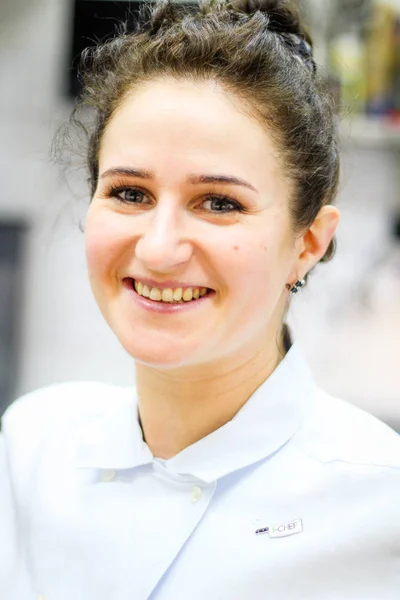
(370, 132)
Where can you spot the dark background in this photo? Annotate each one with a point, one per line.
(94, 21)
(11, 289)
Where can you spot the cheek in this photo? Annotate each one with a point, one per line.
(102, 242)
(94, 256)
(260, 262)
(95, 244)
(255, 262)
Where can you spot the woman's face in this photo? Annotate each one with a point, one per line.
(191, 194)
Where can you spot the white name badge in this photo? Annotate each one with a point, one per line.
(285, 529)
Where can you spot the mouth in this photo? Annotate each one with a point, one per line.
(170, 295)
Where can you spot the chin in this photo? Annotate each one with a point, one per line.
(161, 355)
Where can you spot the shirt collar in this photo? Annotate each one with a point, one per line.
(272, 415)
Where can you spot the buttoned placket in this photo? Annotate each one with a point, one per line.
(190, 497)
(197, 496)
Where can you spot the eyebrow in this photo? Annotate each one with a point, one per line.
(193, 179)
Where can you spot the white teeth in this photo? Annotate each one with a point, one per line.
(169, 294)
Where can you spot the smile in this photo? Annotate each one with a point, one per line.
(170, 295)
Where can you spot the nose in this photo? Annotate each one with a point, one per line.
(162, 247)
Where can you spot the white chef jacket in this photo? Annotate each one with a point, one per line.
(297, 497)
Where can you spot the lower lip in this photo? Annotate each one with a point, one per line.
(164, 307)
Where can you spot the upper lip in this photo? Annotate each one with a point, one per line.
(166, 284)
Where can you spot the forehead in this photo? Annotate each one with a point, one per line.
(174, 126)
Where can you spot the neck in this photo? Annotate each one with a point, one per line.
(178, 407)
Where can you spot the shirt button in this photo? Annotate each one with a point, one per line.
(108, 475)
(196, 493)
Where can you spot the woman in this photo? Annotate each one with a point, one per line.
(226, 473)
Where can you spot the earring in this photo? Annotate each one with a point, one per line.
(298, 285)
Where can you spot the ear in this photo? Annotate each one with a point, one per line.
(315, 241)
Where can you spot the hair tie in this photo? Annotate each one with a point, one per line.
(303, 50)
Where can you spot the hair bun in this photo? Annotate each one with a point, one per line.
(284, 15)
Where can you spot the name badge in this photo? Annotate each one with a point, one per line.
(282, 529)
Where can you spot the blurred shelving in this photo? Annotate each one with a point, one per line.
(370, 132)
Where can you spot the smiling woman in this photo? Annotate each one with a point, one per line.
(213, 165)
(216, 181)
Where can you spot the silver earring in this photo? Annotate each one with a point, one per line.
(298, 285)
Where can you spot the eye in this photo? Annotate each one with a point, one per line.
(221, 204)
(129, 195)
(124, 194)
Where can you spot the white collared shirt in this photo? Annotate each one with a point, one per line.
(298, 497)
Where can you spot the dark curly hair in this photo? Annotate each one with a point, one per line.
(258, 50)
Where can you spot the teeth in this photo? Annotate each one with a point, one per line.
(169, 294)
(155, 294)
(177, 294)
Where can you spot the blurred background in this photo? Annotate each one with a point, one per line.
(348, 317)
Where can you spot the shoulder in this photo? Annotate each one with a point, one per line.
(338, 432)
(37, 448)
(60, 406)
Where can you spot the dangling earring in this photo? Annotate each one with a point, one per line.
(298, 285)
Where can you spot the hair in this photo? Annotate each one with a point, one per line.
(257, 50)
